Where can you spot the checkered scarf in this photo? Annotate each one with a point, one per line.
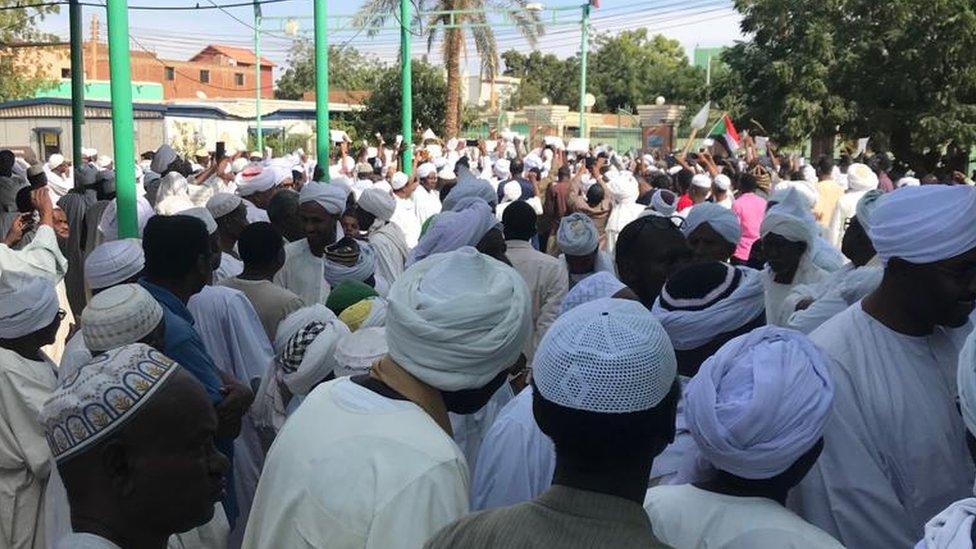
(292, 355)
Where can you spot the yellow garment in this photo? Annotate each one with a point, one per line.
(828, 192)
(354, 315)
(418, 392)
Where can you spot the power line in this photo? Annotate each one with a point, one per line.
(196, 7)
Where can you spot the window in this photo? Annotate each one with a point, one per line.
(239, 79)
(204, 77)
(66, 73)
(170, 74)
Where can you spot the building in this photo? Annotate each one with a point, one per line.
(479, 92)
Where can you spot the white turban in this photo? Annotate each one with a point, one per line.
(364, 268)
(304, 347)
(331, 196)
(861, 178)
(623, 189)
(378, 202)
(221, 204)
(660, 205)
(907, 182)
(424, 170)
(399, 180)
(791, 219)
(502, 168)
(596, 286)
(173, 195)
(806, 191)
(108, 225)
(759, 403)
(512, 191)
(608, 356)
(202, 214)
(866, 206)
(450, 230)
(113, 262)
(356, 352)
(238, 165)
(722, 182)
(119, 316)
(165, 155)
(256, 179)
(456, 320)
(719, 218)
(533, 160)
(55, 161)
(469, 186)
(925, 224)
(27, 304)
(577, 235)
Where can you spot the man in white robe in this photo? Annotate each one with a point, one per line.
(42, 256)
(256, 187)
(895, 451)
(860, 179)
(579, 243)
(29, 319)
(59, 177)
(405, 213)
(376, 208)
(426, 197)
(382, 470)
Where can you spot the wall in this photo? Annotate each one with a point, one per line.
(95, 133)
(100, 91)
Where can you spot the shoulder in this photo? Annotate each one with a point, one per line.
(482, 529)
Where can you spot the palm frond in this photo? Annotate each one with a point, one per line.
(528, 23)
(485, 45)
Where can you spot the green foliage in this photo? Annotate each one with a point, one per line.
(21, 75)
(903, 74)
(543, 75)
(281, 143)
(382, 108)
(349, 69)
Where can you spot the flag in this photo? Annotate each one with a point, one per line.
(725, 130)
(700, 119)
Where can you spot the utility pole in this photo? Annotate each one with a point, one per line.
(257, 73)
(77, 82)
(323, 136)
(406, 88)
(584, 47)
(120, 75)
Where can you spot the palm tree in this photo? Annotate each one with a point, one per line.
(430, 17)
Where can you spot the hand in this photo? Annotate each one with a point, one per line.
(237, 399)
(42, 203)
(958, 177)
(16, 231)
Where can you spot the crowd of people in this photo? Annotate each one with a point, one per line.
(502, 344)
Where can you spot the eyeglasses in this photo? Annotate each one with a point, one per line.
(61, 314)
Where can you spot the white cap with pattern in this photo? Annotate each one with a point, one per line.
(119, 316)
(114, 262)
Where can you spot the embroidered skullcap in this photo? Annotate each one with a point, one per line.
(925, 224)
(27, 304)
(577, 235)
(119, 316)
(331, 196)
(355, 353)
(221, 204)
(203, 214)
(719, 218)
(424, 170)
(378, 202)
(101, 396)
(596, 286)
(608, 356)
(305, 347)
(399, 180)
(114, 262)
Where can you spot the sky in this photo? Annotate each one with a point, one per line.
(180, 34)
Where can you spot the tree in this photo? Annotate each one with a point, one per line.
(349, 69)
(22, 72)
(472, 20)
(543, 75)
(903, 75)
(382, 107)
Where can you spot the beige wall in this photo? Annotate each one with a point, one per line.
(95, 133)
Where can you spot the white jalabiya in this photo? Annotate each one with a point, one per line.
(547, 281)
(391, 250)
(378, 473)
(844, 288)
(405, 217)
(255, 214)
(41, 257)
(427, 204)
(303, 273)
(229, 267)
(470, 429)
(235, 339)
(624, 191)
(686, 516)
(952, 528)
(843, 212)
(75, 355)
(894, 423)
(24, 454)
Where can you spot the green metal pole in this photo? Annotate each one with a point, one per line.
(406, 88)
(584, 47)
(323, 137)
(77, 82)
(122, 125)
(257, 75)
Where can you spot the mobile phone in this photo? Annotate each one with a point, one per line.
(471, 142)
(221, 150)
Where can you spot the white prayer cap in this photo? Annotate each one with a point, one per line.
(378, 202)
(722, 182)
(469, 186)
(447, 172)
(87, 152)
(238, 165)
(114, 262)
(331, 196)
(759, 403)
(952, 528)
(533, 160)
(512, 191)
(108, 225)
(424, 170)
(119, 316)
(255, 179)
(791, 219)
(104, 162)
(107, 391)
(458, 319)
(719, 218)
(27, 304)
(861, 178)
(204, 215)
(453, 229)
(399, 181)
(221, 204)
(596, 286)
(355, 353)
(305, 345)
(925, 224)
(608, 356)
(866, 205)
(674, 170)
(502, 168)
(577, 235)
(907, 182)
(806, 191)
(701, 181)
(55, 160)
